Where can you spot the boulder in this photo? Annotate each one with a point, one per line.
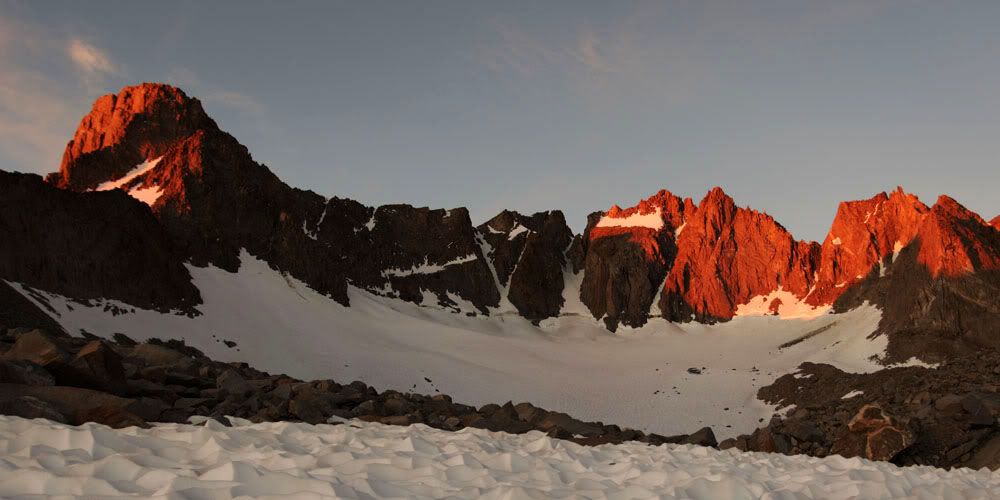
(701, 437)
(886, 442)
(397, 406)
(803, 430)
(97, 365)
(30, 407)
(112, 416)
(766, 440)
(153, 354)
(870, 417)
(873, 434)
(39, 347)
(558, 420)
(313, 406)
(231, 383)
(24, 372)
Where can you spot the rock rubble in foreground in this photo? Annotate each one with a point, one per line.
(122, 383)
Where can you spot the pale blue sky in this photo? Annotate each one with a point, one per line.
(791, 106)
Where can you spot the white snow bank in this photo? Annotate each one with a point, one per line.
(636, 377)
(651, 220)
(427, 268)
(366, 460)
(516, 231)
(147, 195)
(790, 307)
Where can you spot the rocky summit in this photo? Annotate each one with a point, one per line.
(150, 189)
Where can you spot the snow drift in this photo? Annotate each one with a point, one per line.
(366, 460)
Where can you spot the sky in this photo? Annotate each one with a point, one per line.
(790, 106)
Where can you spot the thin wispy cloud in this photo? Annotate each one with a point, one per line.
(40, 105)
(89, 58)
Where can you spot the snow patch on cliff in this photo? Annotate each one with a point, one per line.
(652, 220)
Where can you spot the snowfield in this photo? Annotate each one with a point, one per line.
(368, 460)
(637, 377)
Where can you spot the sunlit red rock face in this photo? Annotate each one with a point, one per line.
(955, 241)
(863, 234)
(996, 222)
(123, 130)
(728, 255)
(939, 294)
(702, 261)
(716, 259)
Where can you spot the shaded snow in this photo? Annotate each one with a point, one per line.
(427, 268)
(368, 460)
(637, 377)
(851, 394)
(651, 220)
(517, 231)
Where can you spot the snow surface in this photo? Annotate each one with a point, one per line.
(851, 394)
(428, 268)
(651, 220)
(369, 460)
(791, 306)
(147, 195)
(896, 248)
(516, 231)
(636, 377)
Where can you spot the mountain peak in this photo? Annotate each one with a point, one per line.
(123, 130)
(955, 240)
(996, 222)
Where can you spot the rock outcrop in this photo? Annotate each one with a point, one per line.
(88, 246)
(945, 416)
(996, 222)
(528, 257)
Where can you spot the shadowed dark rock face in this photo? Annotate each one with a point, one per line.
(89, 246)
(15, 309)
(622, 277)
(528, 254)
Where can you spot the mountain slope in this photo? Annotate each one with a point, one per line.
(209, 201)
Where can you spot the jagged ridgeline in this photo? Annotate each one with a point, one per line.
(149, 182)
